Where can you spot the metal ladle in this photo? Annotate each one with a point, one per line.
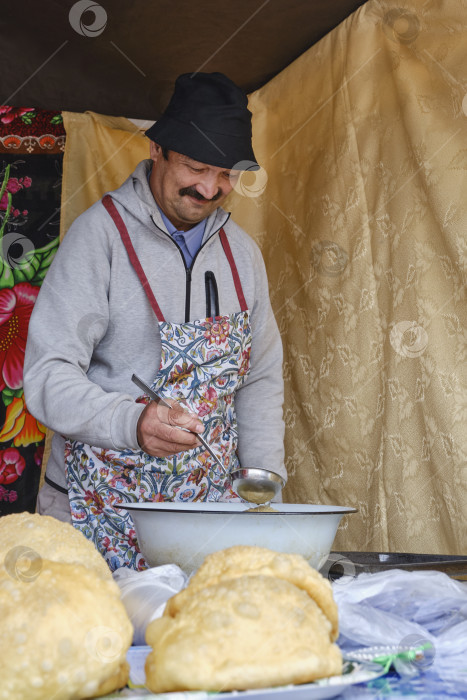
(250, 483)
(256, 485)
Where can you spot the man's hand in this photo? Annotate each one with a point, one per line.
(159, 431)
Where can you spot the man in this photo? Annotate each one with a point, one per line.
(156, 280)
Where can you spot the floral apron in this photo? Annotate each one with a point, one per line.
(203, 363)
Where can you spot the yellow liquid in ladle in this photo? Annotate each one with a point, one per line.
(258, 496)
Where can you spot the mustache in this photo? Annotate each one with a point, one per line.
(192, 192)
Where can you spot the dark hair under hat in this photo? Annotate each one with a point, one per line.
(208, 120)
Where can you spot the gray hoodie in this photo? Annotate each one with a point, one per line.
(92, 327)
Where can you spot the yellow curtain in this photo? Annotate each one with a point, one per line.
(361, 215)
(363, 228)
(100, 153)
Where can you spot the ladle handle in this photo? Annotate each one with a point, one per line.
(158, 399)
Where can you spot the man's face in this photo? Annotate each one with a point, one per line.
(188, 191)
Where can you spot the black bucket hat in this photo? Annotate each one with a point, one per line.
(208, 120)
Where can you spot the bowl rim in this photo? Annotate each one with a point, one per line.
(213, 507)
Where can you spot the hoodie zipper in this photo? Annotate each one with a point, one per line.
(187, 293)
(188, 270)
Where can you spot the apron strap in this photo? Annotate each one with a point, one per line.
(233, 267)
(108, 203)
(55, 486)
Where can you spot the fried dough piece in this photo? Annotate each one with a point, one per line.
(262, 509)
(115, 682)
(246, 632)
(64, 634)
(46, 538)
(243, 560)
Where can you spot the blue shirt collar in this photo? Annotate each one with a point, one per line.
(193, 237)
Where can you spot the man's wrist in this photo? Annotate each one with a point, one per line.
(124, 425)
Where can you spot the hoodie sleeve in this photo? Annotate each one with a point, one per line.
(69, 318)
(259, 401)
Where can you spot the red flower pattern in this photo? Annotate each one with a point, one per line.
(9, 113)
(218, 331)
(245, 364)
(208, 402)
(95, 501)
(15, 311)
(107, 544)
(11, 465)
(132, 538)
(7, 495)
(18, 470)
(196, 475)
(158, 498)
(14, 185)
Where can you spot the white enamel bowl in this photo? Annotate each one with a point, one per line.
(184, 533)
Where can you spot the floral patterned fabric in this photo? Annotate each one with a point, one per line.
(31, 147)
(30, 130)
(203, 363)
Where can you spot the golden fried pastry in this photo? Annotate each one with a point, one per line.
(64, 633)
(251, 631)
(116, 682)
(245, 560)
(48, 538)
